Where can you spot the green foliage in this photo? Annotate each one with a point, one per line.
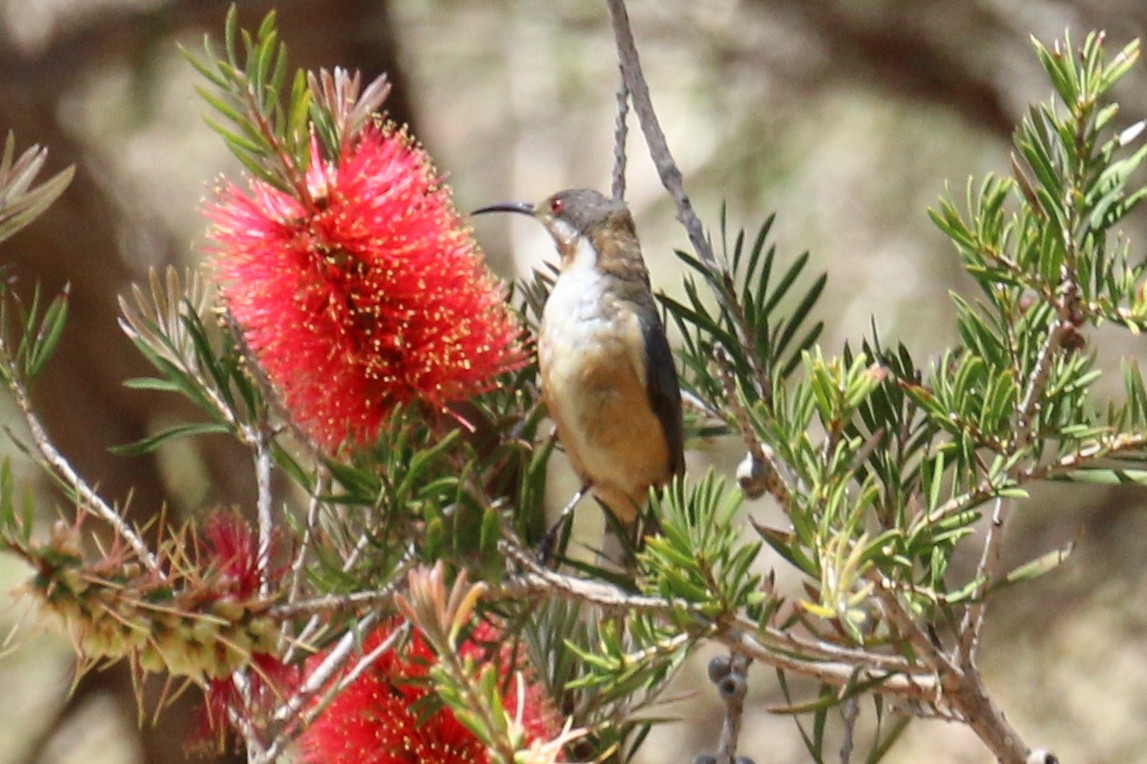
(507, 439)
(839, 704)
(171, 328)
(17, 511)
(268, 122)
(265, 124)
(20, 201)
(700, 557)
(29, 333)
(622, 668)
(747, 329)
(1043, 249)
(888, 464)
(561, 639)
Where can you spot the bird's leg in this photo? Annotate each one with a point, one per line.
(546, 546)
(621, 539)
(650, 523)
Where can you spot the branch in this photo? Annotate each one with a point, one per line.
(319, 606)
(911, 632)
(734, 711)
(986, 719)
(264, 513)
(988, 568)
(654, 136)
(831, 663)
(321, 486)
(620, 134)
(671, 178)
(914, 685)
(321, 677)
(63, 471)
(1094, 451)
(759, 472)
(331, 603)
(960, 687)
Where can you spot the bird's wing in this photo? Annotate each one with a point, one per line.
(663, 388)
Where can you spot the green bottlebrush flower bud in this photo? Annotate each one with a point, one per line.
(205, 630)
(229, 608)
(151, 660)
(264, 633)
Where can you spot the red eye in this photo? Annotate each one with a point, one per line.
(556, 206)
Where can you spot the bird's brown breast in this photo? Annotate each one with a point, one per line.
(592, 358)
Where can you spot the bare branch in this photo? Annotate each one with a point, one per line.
(264, 506)
(671, 178)
(63, 471)
(620, 134)
(654, 135)
(734, 711)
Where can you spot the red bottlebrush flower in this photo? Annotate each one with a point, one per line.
(232, 553)
(369, 295)
(229, 549)
(379, 718)
(269, 683)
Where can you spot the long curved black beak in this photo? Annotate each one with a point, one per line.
(522, 208)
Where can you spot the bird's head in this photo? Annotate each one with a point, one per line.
(582, 223)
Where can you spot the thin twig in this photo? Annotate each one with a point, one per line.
(831, 664)
(733, 400)
(1037, 382)
(67, 475)
(620, 134)
(654, 136)
(986, 571)
(959, 687)
(321, 486)
(330, 603)
(289, 711)
(325, 671)
(764, 472)
(1094, 451)
(263, 506)
(672, 180)
(988, 568)
(788, 642)
(851, 714)
(914, 686)
(734, 712)
(910, 631)
(249, 731)
(541, 581)
(316, 621)
(694, 401)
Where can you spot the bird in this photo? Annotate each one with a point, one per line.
(608, 376)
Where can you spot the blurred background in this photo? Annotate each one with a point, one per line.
(847, 118)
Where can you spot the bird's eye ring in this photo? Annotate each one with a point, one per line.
(556, 206)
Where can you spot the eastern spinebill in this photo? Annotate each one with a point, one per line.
(608, 376)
